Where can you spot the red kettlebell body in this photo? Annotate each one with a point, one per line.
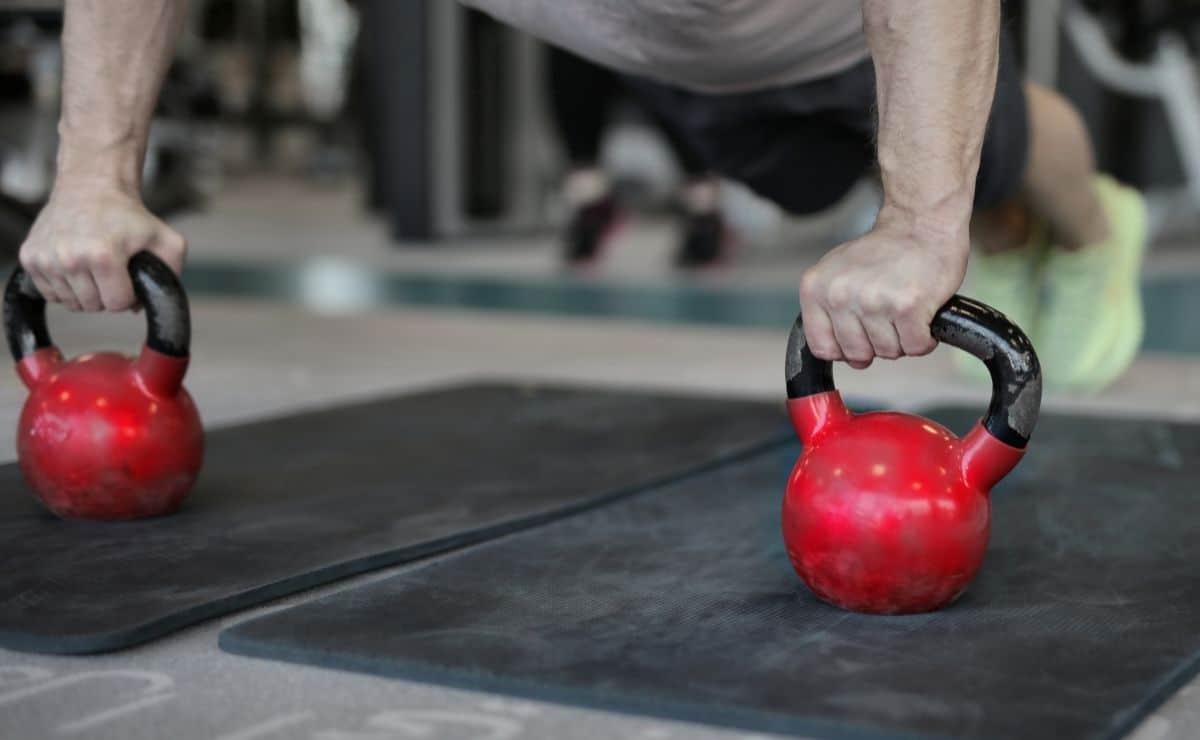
(883, 512)
(106, 437)
(888, 513)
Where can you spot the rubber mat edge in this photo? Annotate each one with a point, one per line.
(709, 714)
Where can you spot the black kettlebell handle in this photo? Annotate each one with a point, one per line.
(973, 327)
(168, 320)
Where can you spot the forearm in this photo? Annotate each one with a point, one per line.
(115, 56)
(935, 65)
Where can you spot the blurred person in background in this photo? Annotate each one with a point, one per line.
(582, 97)
(795, 98)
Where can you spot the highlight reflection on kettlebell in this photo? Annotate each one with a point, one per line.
(888, 513)
(105, 436)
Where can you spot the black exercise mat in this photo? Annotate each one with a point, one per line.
(291, 503)
(680, 602)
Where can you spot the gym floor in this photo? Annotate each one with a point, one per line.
(256, 358)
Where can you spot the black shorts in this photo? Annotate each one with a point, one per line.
(804, 146)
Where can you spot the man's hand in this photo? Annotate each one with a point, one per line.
(115, 56)
(81, 242)
(876, 296)
(935, 74)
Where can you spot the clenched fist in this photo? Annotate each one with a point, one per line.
(79, 247)
(876, 296)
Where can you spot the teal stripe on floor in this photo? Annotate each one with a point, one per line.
(331, 285)
(336, 286)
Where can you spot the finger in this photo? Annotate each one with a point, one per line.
(43, 269)
(44, 288)
(885, 340)
(33, 268)
(113, 283)
(818, 328)
(83, 287)
(818, 332)
(853, 340)
(62, 292)
(915, 337)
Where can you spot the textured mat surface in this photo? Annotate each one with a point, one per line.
(294, 502)
(680, 602)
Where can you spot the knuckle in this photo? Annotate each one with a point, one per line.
(906, 304)
(33, 256)
(810, 283)
(47, 266)
(841, 294)
(35, 260)
(174, 241)
(101, 257)
(90, 255)
(27, 256)
(72, 261)
(872, 301)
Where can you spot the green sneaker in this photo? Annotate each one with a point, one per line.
(1009, 282)
(1092, 322)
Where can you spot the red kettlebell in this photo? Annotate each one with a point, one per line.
(105, 436)
(888, 513)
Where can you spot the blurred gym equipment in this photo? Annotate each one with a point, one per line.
(451, 122)
(1143, 56)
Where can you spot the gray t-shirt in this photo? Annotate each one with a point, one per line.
(715, 46)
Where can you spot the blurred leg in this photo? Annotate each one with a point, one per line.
(1061, 169)
(581, 95)
(704, 239)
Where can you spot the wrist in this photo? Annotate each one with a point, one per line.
(941, 228)
(932, 200)
(96, 161)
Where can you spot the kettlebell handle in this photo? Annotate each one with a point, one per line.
(158, 289)
(970, 326)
